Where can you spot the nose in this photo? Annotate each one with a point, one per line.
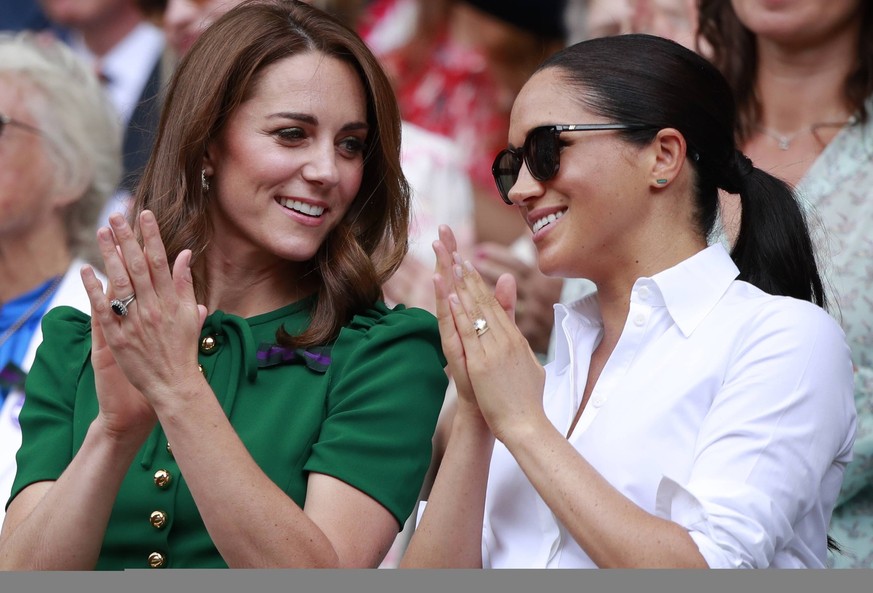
(525, 187)
(321, 166)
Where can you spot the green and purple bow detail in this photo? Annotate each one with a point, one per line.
(317, 358)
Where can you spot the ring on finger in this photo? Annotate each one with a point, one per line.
(481, 326)
(119, 306)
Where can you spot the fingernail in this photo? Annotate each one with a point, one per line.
(459, 273)
(456, 257)
(469, 266)
(453, 299)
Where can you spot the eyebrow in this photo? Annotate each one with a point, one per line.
(312, 120)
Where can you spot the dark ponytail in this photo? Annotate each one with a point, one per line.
(773, 249)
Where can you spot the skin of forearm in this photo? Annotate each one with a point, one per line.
(612, 530)
(450, 532)
(252, 522)
(64, 529)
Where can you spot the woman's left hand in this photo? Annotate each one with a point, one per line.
(155, 344)
(506, 376)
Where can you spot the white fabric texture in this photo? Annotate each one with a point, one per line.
(722, 408)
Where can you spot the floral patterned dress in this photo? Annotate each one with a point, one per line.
(838, 190)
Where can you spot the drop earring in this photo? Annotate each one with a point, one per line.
(204, 181)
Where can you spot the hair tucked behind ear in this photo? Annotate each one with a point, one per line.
(652, 81)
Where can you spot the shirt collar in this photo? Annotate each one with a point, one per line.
(689, 291)
(692, 288)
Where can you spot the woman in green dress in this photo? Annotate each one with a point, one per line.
(240, 396)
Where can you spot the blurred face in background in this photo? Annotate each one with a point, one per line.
(26, 179)
(805, 22)
(185, 20)
(79, 14)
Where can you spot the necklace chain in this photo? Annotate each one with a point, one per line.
(784, 140)
(25, 317)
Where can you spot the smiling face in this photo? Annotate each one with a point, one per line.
(289, 162)
(586, 219)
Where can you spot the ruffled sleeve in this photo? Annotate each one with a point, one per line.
(386, 388)
(47, 417)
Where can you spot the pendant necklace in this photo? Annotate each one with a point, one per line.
(784, 140)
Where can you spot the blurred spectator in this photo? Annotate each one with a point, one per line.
(60, 148)
(802, 74)
(117, 40)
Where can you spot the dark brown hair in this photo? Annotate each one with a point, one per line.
(217, 75)
(657, 83)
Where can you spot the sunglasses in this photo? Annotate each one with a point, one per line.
(5, 120)
(541, 153)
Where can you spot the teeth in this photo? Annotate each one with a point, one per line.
(547, 220)
(299, 206)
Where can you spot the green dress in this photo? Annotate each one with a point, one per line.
(362, 410)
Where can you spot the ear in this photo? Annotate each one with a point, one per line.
(208, 165)
(669, 150)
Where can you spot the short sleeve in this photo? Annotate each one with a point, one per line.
(773, 447)
(387, 384)
(47, 416)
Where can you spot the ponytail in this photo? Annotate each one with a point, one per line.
(773, 249)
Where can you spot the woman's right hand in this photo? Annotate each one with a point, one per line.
(124, 413)
(446, 249)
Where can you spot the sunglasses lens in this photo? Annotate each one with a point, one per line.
(505, 171)
(541, 153)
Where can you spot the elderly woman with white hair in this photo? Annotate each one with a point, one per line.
(61, 152)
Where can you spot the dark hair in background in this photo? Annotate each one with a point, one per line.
(661, 84)
(734, 53)
(216, 76)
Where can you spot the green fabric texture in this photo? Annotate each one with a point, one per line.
(367, 420)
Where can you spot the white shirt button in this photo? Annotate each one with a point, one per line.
(640, 320)
(644, 292)
(597, 401)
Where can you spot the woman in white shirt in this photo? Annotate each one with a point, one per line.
(699, 409)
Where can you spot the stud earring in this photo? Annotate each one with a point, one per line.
(204, 181)
(661, 181)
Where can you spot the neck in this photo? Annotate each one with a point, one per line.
(799, 88)
(102, 35)
(28, 260)
(251, 288)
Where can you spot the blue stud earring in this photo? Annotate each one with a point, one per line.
(660, 181)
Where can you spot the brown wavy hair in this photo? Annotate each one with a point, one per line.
(217, 75)
(733, 51)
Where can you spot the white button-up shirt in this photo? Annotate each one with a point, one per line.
(722, 408)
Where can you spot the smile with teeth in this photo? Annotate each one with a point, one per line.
(302, 207)
(546, 220)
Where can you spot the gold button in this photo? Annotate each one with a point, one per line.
(158, 519)
(201, 369)
(169, 449)
(156, 560)
(208, 344)
(162, 478)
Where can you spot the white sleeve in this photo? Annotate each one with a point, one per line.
(772, 449)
